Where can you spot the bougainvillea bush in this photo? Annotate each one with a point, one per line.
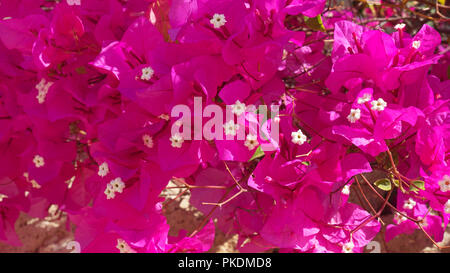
(88, 89)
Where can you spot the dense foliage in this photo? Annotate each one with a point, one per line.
(87, 89)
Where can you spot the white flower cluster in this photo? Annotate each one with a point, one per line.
(116, 185)
(148, 141)
(43, 86)
(123, 247)
(409, 204)
(444, 183)
(377, 105)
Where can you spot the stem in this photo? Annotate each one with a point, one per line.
(431, 238)
(220, 204)
(365, 199)
(234, 179)
(374, 216)
(176, 197)
(207, 216)
(388, 204)
(189, 186)
(245, 178)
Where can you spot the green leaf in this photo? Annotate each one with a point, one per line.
(396, 182)
(258, 153)
(384, 184)
(418, 184)
(315, 23)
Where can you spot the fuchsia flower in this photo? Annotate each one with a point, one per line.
(306, 7)
(417, 210)
(311, 224)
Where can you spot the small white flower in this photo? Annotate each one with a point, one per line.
(74, 2)
(218, 20)
(35, 184)
(231, 128)
(42, 88)
(444, 183)
(114, 186)
(447, 207)
(348, 247)
(238, 108)
(109, 192)
(117, 185)
(148, 141)
(298, 137)
(177, 140)
(41, 97)
(399, 26)
(416, 44)
(123, 247)
(103, 169)
(346, 190)
(399, 218)
(38, 161)
(2, 196)
(355, 115)
(378, 105)
(251, 142)
(147, 73)
(48, 85)
(409, 204)
(365, 98)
